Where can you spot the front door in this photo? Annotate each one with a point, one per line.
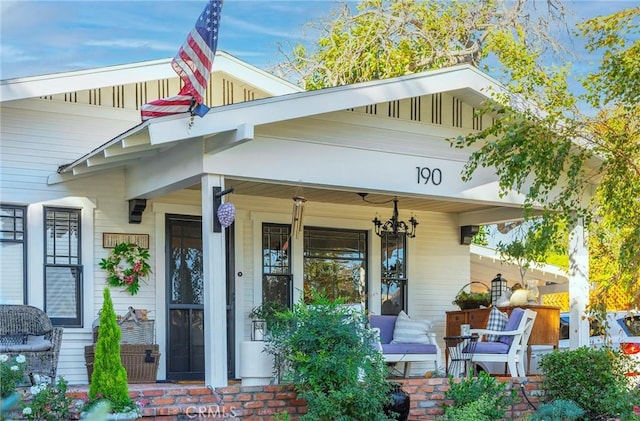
(185, 297)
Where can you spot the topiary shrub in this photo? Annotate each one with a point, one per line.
(109, 377)
(331, 361)
(484, 397)
(592, 378)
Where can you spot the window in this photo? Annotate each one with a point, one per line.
(13, 255)
(335, 263)
(276, 266)
(63, 269)
(394, 273)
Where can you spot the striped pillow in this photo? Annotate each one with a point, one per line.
(408, 331)
(497, 321)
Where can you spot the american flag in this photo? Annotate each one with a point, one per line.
(193, 64)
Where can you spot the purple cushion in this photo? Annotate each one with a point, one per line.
(408, 348)
(490, 348)
(386, 324)
(512, 324)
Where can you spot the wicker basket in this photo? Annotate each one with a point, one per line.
(137, 331)
(468, 301)
(140, 361)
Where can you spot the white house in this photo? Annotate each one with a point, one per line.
(78, 170)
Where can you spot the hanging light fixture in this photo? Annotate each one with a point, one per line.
(394, 226)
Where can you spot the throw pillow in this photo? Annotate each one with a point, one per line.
(410, 331)
(13, 339)
(497, 321)
(512, 324)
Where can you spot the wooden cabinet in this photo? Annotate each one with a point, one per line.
(546, 329)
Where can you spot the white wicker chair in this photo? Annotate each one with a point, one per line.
(28, 331)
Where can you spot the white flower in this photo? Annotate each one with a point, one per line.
(36, 389)
(36, 378)
(15, 368)
(27, 410)
(4, 358)
(21, 359)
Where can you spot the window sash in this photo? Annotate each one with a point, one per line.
(63, 268)
(335, 263)
(13, 254)
(277, 281)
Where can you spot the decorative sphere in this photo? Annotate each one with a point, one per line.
(226, 214)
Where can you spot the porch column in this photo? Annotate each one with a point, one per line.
(578, 285)
(215, 302)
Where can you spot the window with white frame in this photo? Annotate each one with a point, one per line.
(63, 266)
(13, 254)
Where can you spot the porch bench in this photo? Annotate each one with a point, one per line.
(406, 353)
(27, 330)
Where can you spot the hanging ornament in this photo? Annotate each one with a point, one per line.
(226, 214)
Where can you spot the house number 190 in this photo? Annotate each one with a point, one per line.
(428, 175)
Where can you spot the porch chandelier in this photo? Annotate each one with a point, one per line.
(394, 226)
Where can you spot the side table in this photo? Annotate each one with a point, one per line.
(460, 350)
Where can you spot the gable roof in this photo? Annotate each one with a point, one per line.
(37, 86)
(465, 82)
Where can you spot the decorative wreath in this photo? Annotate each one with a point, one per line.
(126, 266)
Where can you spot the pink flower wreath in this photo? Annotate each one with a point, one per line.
(126, 266)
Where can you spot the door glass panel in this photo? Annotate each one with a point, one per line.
(186, 268)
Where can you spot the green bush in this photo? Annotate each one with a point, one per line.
(558, 410)
(331, 362)
(478, 410)
(484, 397)
(594, 379)
(109, 377)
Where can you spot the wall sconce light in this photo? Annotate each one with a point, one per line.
(394, 226)
(467, 232)
(296, 214)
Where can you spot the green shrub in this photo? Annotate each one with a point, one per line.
(109, 377)
(558, 410)
(483, 396)
(331, 362)
(592, 378)
(478, 410)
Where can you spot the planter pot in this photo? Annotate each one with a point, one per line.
(400, 403)
(256, 366)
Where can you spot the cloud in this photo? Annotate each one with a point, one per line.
(133, 43)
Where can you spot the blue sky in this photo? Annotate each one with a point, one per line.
(50, 36)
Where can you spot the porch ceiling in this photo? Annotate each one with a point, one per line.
(345, 197)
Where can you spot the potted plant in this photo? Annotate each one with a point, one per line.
(109, 378)
(468, 300)
(263, 316)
